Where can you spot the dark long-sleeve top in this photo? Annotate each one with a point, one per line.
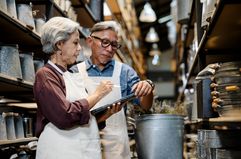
(50, 95)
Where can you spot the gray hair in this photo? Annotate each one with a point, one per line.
(55, 30)
(105, 25)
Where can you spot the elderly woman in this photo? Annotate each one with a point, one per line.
(65, 127)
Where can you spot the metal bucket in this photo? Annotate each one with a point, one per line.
(39, 22)
(18, 121)
(96, 8)
(38, 64)
(27, 67)
(10, 127)
(25, 14)
(3, 5)
(11, 6)
(3, 131)
(183, 11)
(159, 136)
(9, 61)
(28, 127)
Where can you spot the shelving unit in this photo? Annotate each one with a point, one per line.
(218, 42)
(15, 88)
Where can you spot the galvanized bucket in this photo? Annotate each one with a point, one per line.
(39, 22)
(159, 136)
(11, 7)
(38, 64)
(9, 61)
(18, 121)
(25, 14)
(3, 130)
(3, 5)
(27, 66)
(10, 127)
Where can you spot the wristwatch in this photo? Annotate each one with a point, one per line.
(150, 83)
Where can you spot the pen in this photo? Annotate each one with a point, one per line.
(114, 85)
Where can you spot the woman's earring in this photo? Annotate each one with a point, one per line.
(59, 52)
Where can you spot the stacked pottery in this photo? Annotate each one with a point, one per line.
(226, 94)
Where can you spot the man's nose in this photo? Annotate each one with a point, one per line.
(79, 47)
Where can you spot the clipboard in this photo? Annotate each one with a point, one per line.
(101, 110)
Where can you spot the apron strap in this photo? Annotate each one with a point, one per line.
(82, 69)
(117, 71)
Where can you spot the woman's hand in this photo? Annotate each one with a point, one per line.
(102, 90)
(116, 107)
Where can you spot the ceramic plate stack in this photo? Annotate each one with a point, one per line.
(226, 97)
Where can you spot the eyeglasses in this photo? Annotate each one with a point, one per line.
(105, 43)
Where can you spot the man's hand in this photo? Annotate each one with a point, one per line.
(142, 88)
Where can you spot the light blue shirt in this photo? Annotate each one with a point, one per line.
(128, 76)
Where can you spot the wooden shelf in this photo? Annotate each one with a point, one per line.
(23, 105)
(225, 119)
(85, 16)
(15, 88)
(224, 30)
(11, 28)
(17, 141)
(225, 123)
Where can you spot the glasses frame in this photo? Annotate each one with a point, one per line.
(112, 43)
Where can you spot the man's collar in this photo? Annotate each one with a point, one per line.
(89, 63)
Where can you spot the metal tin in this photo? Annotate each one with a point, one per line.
(159, 136)
(27, 66)
(9, 61)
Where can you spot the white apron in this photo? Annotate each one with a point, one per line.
(81, 142)
(114, 137)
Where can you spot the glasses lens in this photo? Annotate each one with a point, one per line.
(114, 45)
(105, 42)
